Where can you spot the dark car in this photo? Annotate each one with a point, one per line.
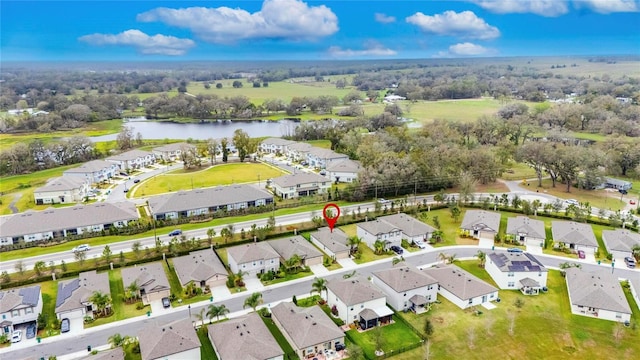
(339, 347)
(165, 302)
(175, 232)
(126, 190)
(136, 181)
(65, 325)
(31, 331)
(397, 249)
(630, 262)
(514, 250)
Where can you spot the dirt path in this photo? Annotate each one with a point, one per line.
(12, 205)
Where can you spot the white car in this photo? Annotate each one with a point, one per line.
(83, 247)
(421, 245)
(16, 336)
(572, 202)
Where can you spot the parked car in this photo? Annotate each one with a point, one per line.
(514, 250)
(631, 262)
(632, 202)
(339, 347)
(175, 232)
(572, 202)
(65, 325)
(126, 190)
(323, 172)
(16, 336)
(165, 302)
(421, 244)
(136, 181)
(384, 201)
(83, 247)
(397, 249)
(124, 174)
(581, 254)
(31, 331)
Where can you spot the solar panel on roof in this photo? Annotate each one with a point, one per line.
(516, 268)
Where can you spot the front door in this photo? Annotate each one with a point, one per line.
(484, 298)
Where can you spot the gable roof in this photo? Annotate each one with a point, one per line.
(409, 225)
(322, 153)
(377, 227)
(404, 278)
(571, 232)
(68, 218)
(620, 239)
(111, 354)
(597, 289)
(481, 220)
(354, 290)
(150, 277)
(90, 167)
(13, 298)
(277, 141)
(245, 337)
(129, 155)
(172, 147)
(300, 178)
(63, 183)
(459, 282)
(346, 165)
(525, 225)
(335, 240)
(72, 294)
(300, 147)
(160, 341)
(205, 198)
(252, 252)
(289, 246)
(306, 326)
(199, 266)
(517, 262)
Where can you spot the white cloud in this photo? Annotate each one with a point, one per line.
(549, 8)
(469, 49)
(371, 49)
(464, 24)
(384, 18)
(608, 6)
(286, 19)
(145, 44)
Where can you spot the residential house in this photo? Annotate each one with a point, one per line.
(575, 236)
(300, 184)
(171, 152)
(617, 184)
(392, 229)
(275, 145)
(62, 190)
(174, 341)
(150, 278)
(343, 171)
(526, 231)
(111, 354)
(69, 221)
(406, 287)
(207, 201)
(74, 296)
(620, 242)
(309, 330)
(517, 271)
(481, 224)
(19, 307)
(297, 245)
(254, 258)
(460, 287)
(132, 160)
(95, 171)
(634, 286)
(597, 294)
(245, 337)
(357, 300)
(202, 267)
(333, 243)
(321, 158)
(298, 151)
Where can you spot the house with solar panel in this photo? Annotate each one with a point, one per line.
(512, 271)
(19, 308)
(74, 296)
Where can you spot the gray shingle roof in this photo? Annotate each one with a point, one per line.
(620, 239)
(335, 241)
(481, 220)
(129, 155)
(408, 224)
(289, 246)
(246, 338)
(158, 342)
(72, 294)
(111, 354)
(322, 153)
(306, 327)
(10, 299)
(172, 147)
(345, 165)
(459, 282)
(517, 262)
(301, 178)
(354, 290)
(525, 225)
(277, 141)
(571, 232)
(68, 218)
(300, 147)
(597, 289)
(377, 227)
(62, 184)
(404, 278)
(205, 198)
(199, 266)
(252, 252)
(150, 277)
(90, 167)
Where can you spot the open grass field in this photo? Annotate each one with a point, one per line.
(602, 199)
(396, 336)
(222, 174)
(544, 328)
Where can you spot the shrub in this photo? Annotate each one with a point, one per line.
(139, 306)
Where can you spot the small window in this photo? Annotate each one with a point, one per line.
(510, 274)
(15, 313)
(28, 310)
(470, 301)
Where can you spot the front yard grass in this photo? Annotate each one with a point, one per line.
(120, 309)
(288, 277)
(396, 337)
(544, 327)
(49, 291)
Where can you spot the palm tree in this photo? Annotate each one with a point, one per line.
(482, 257)
(452, 258)
(216, 311)
(115, 340)
(378, 247)
(353, 242)
(239, 277)
(253, 301)
(133, 289)
(227, 233)
(200, 316)
(443, 257)
(101, 301)
(38, 267)
(293, 262)
(536, 205)
(190, 289)
(210, 234)
(319, 285)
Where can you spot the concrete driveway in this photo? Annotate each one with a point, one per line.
(347, 263)
(252, 283)
(220, 292)
(534, 249)
(485, 243)
(319, 269)
(157, 308)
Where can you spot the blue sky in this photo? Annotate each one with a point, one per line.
(316, 30)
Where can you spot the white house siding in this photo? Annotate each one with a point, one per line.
(193, 354)
(504, 281)
(21, 315)
(635, 292)
(255, 267)
(532, 241)
(586, 249)
(61, 197)
(32, 237)
(463, 304)
(394, 238)
(349, 314)
(73, 314)
(340, 255)
(601, 314)
(343, 177)
(400, 301)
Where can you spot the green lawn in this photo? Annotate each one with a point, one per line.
(288, 277)
(206, 349)
(222, 174)
(174, 282)
(544, 328)
(518, 171)
(396, 336)
(325, 144)
(121, 310)
(597, 198)
(49, 291)
(277, 334)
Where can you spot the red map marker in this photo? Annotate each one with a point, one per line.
(331, 221)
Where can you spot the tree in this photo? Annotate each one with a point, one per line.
(38, 267)
(428, 328)
(116, 340)
(243, 144)
(482, 257)
(6, 278)
(224, 144)
(319, 285)
(378, 338)
(212, 149)
(354, 243)
(216, 311)
(101, 301)
(253, 301)
(236, 84)
(20, 267)
(293, 262)
(218, 85)
(133, 290)
(125, 138)
(378, 247)
(211, 232)
(227, 233)
(536, 154)
(136, 247)
(106, 253)
(80, 257)
(355, 352)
